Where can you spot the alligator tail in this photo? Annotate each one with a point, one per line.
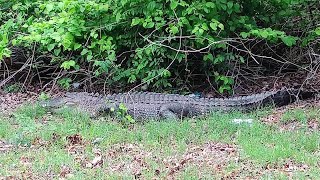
(285, 97)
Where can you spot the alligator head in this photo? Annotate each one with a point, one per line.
(59, 102)
(83, 102)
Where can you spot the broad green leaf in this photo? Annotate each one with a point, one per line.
(221, 26)
(173, 4)
(244, 34)
(49, 7)
(264, 34)
(56, 52)
(204, 26)
(230, 4)
(288, 40)
(166, 73)
(82, 9)
(104, 7)
(76, 46)
(201, 31)
(118, 17)
(213, 26)
(84, 51)
(150, 25)
(317, 31)
(236, 8)
(56, 36)
(223, 6)
(89, 57)
(50, 47)
(123, 2)
(208, 57)
(68, 64)
(135, 21)
(211, 4)
(174, 29)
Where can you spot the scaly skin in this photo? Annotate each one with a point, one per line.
(168, 106)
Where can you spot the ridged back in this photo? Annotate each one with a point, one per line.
(159, 98)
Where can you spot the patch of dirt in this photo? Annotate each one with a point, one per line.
(10, 101)
(275, 117)
(4, 146)
(258, 83)
(250, 170)
(75, 139)
(133, 159)
(213, 156)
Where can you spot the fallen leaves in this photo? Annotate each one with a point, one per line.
(97, 161)
(4, 146)
(65, 172)
(76, 147)
(11, 101)
(210, 155)
(75, 139)
(275, 118)
(26, 161)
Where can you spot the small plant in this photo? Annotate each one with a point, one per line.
(224, 82)
(65, 83)
(13, 88)
(44, 96)
(122, 113)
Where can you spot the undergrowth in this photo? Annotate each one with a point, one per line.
(161, 43)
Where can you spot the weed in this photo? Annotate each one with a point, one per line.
(44, 96)
(13, 88)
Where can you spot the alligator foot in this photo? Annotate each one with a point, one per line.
(167, 113)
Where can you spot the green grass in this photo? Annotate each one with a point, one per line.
(301, 115)
(258, 145)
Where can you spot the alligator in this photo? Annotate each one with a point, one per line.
(144, 105)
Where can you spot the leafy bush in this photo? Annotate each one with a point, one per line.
(145, 41)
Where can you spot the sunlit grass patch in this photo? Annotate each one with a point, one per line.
(6, 128)
(294, 115)
(268, 145)
(301, 115)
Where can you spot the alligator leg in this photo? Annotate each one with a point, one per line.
(167, 113)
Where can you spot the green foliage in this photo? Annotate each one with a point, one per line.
(134, 41)
(224, 82)
(125, 118)
(65, 83)
(13, 88)
(43, 96)
(68, 64)
(317, 31)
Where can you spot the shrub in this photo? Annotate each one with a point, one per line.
(145, 41)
